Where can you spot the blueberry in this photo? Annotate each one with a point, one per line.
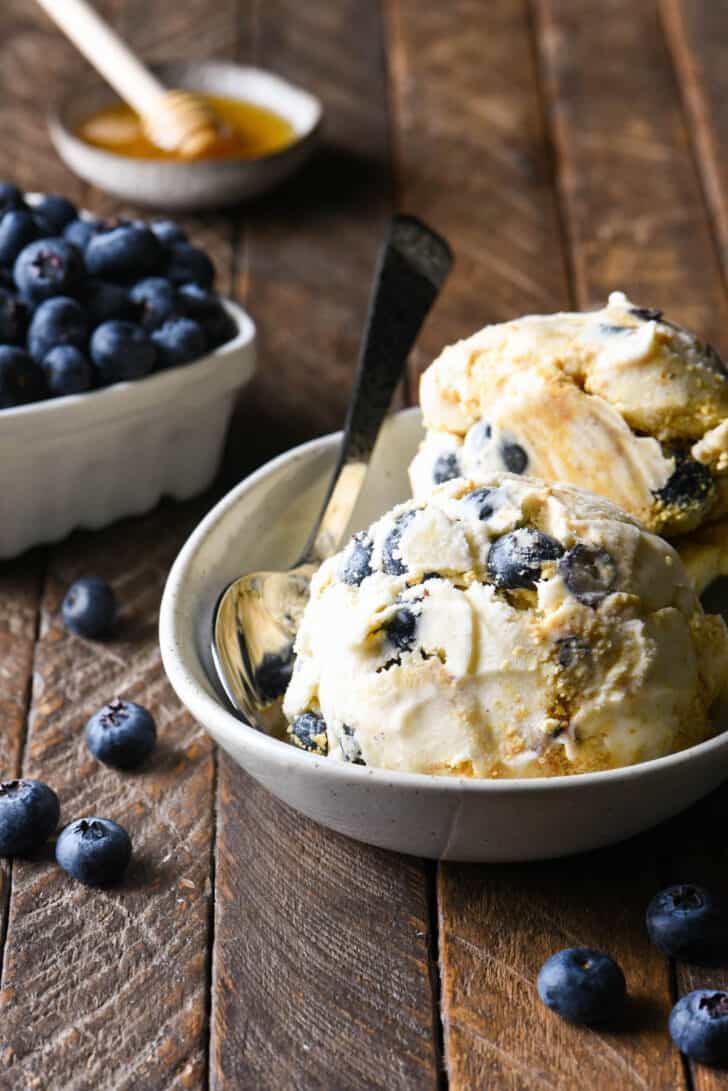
(187, 263)
(400, 629)
(81, 231)
(29, 812)
(274, 673)
(179, 341)
(516, 559)
(67, 371)
(57, 210)
(350, 746)
(13, 318)
(122, 253)
(121, 351)
(571, 650)
(95, 851)
(514, 457)
(89, 607)
(153, 300)
(43, 228)
(699, 1026)
(21, 379)
(392, 562)
(582, 985)
(690, 485)
(485, 501)
(168, 232)
(357, 562)
(17, 229)
(47, 267)
(589, 572)
(10, 197)
(646, 314)
(687, 922)
(121, 734)
(104, 300)
(218, 324)
(446, 468)
(309, 732)
(57, 321)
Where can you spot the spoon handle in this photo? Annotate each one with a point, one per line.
(412, 267)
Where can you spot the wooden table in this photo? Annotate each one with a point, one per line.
(566, 148)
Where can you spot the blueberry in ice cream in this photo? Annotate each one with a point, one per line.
(619, 401)
(504, 628)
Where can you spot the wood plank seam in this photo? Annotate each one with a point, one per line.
(696, 125)
(686, 89)
(27, 702)
(435, 967)
(546, 100)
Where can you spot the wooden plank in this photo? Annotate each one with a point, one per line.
(111, 988)
(632, 198)
(115, 993)
(697, 31)
(492, 185)
(321, 974)
(637, 217)
(472, 158)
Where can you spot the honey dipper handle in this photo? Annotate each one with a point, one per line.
(109, 55)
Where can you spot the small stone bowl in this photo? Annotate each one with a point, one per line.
(200, 184)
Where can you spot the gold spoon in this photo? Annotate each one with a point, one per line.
(258, 614)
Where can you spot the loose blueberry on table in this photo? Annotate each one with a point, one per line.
(96, 851)
(89, 607)
(102, 288)
(29, 812)
(699, 1026)
(688, 922)
(583, 986)
(121, 734)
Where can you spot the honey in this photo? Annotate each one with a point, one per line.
(249, 131)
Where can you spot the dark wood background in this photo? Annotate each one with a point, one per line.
(566, 148)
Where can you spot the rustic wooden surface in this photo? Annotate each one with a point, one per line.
(566, 148)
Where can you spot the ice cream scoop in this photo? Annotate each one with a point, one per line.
(619, 401)
(504, 628)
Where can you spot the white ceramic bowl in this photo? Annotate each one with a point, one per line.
(262, 523)
(89, 459)
(176, 186)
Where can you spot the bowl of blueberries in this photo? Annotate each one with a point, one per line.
(119, 367)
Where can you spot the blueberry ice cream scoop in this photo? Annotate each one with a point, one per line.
(504, 628)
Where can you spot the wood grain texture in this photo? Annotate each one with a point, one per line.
(498, 927)
(109, 988)
(472, 158)
(697, 33)
(637, 218)
(321, 975)
(632, 198)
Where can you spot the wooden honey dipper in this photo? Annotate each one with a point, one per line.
(175, 120)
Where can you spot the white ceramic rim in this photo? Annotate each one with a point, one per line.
(288, 90)
(67, 411)
(206, 709)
